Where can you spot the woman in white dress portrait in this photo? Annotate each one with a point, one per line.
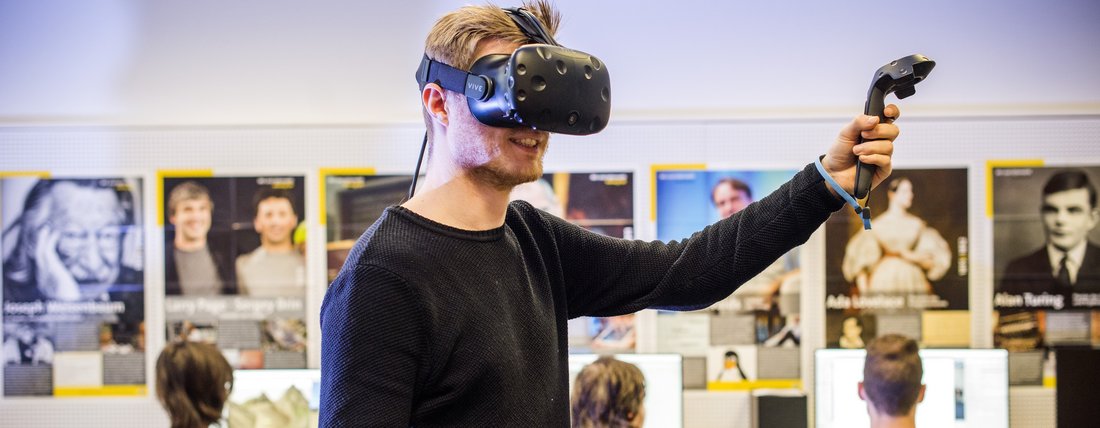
(901, 254)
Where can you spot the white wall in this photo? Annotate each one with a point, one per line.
(203, 62)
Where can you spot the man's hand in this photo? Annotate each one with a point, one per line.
(54, 280)
(877, 148)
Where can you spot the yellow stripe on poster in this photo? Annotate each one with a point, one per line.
(755, 384)
(1049, 382)
(174, 173)
(325, 172)
(1001, 163)
(654, 169)
(101, 391)
(39, 174)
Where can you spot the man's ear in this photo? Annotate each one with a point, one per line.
(920, 397)
(435, 102)
(863, 395)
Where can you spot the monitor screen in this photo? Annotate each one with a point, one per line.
(663, 380)
(963, 388)
(284, 398)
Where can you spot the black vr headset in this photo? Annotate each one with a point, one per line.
(544, 86)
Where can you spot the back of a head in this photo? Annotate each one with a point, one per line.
(193, 382)
(607, 393)
(892, 374)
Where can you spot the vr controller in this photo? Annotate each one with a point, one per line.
(899, 77)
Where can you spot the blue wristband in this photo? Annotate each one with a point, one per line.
(864, 213)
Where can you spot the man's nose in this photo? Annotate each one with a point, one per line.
(1061, 217)
(92, 259)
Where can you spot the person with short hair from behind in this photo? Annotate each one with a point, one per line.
(193, 383)
(608, 393)
(892, 381)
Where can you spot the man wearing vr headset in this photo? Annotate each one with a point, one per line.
(452, 308)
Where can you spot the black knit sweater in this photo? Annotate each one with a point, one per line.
(429, 325)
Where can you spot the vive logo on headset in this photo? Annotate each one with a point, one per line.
(544, 86)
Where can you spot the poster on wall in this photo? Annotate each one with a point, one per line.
(234, 266)
(1046, 262)
(73, 286)
(352, 203)
(601, 202)
(909, 274)
(753, 334)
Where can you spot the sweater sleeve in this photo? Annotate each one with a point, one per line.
(373, 346)
(607, 276)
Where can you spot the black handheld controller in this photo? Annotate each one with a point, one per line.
(899, 77)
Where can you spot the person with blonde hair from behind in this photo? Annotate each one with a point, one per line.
(892, 381)
(193, 382)
(608, 393)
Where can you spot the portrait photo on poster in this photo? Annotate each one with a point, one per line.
(1046, 243)
(765, 309)
(916, 255)
(910, 271)
(73, 281)
(235, 266)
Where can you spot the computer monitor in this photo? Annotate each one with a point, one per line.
(664, 399)
(964, 388)
(293, 398)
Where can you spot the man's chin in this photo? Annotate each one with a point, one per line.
(507, 179)
(1064, 245)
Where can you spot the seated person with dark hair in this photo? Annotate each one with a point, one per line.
(892, 381)
(193, 382)
(608, 393)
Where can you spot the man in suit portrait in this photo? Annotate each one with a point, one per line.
(1068, 262)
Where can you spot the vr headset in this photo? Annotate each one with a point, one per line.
(544, 86)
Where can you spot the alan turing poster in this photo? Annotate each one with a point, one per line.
(909, 274)
(1046, 263)
(602, 202)
(754, 334)
(234, 266)
(73, 286)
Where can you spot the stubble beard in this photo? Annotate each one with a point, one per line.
(486, 165)
(499, 177)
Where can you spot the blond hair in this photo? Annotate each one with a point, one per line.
(187, 191)
(454, 38)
